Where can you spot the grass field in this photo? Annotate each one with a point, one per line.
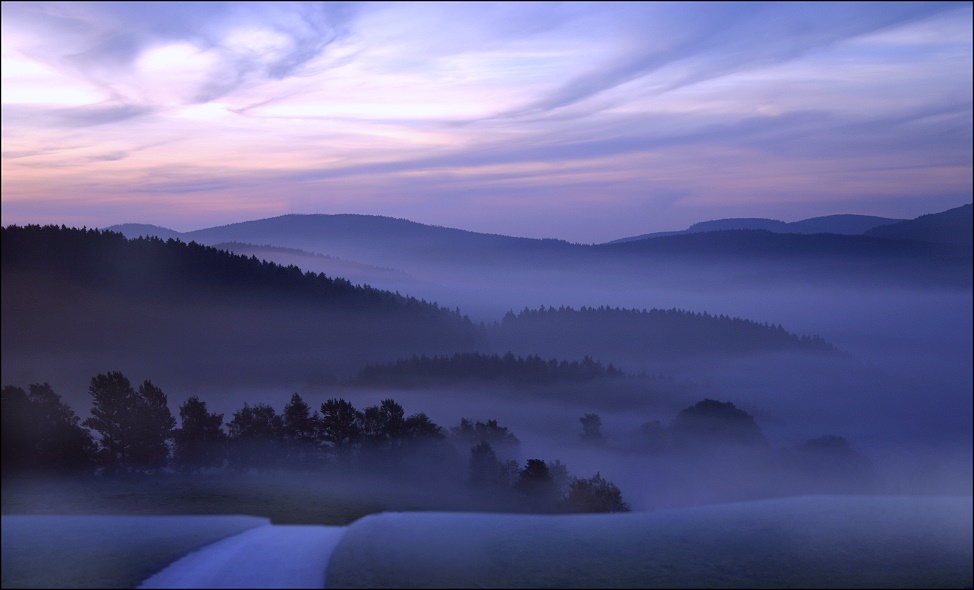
(67, 551)
(133, 536)
(284, 498)
(818, 541)
(808, 542)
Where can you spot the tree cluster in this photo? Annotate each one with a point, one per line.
(136, 433)
(425, 370)
(41, 433)
(660, 331)
(157, 268)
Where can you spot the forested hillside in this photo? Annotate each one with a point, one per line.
(614, 333)
(92, 299)
(476, 367)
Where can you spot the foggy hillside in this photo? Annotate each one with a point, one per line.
(77, 301)
(950, 227)
(900, 310)
(488, 275)
(626, 335)
(357, 273)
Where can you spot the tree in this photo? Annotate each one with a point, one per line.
(537, 486)
(112, 416)
(40, 432)
(15, 416)
(383, 425)
(828, 464)
(201, 442)
(298, 428)
(471, 433)
(154, 426)
(340, 425)
(593, 495)
(559, 477)
(711, 422)
(486, 470)
(255, 436)
(591, 428)
(135, 426)
(420, 427)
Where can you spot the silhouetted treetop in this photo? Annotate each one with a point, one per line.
(657, 331)
(151, 266)
(42, 433)
(99, 293)
(712, 422)
(425, 370)
(491, 432)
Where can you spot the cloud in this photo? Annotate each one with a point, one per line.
(248, 43)
(933, 134)
(109, 156)
(74, 117)
(705, 41)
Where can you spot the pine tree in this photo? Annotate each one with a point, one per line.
(200, 443)
(154, 426)
(135, 426)
(113, 418)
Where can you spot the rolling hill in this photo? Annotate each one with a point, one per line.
(86, 300)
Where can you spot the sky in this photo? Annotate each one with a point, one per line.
(579, 121)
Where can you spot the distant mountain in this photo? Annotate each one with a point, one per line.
(772, 225)
(718, 245)
(139, 230)
(487, 274)
(832, 224)
(840, 224)
(381, 241)
(954, 226)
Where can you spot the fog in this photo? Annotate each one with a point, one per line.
(898, 389)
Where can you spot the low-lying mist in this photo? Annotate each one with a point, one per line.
(897, 390)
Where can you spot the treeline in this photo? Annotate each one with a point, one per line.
(155, 267)
(425, 370)
(159, 305)
(711, 451)
(136, 433)
(605, 331)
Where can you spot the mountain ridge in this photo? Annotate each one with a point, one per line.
(839, 224)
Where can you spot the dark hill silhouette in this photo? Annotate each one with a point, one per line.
(772, 225)
(840, 224)
(845, 224)
(711, 422)
(145, 230)
(638, 335)
(176, 309)
(355, 272)
(766, 244)
(382, 241)
(421, 371)
(438, 255)
(486, 275)
(954, 226)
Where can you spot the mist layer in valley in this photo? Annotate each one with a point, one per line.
(879, 328)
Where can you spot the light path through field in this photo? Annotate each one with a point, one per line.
(263, 557)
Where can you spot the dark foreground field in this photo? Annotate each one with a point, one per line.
(811, 541)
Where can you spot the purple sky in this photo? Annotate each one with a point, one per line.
(586, 122)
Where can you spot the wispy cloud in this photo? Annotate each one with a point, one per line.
(702, 41)
(437, 108)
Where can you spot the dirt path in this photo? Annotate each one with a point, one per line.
(263, 557)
